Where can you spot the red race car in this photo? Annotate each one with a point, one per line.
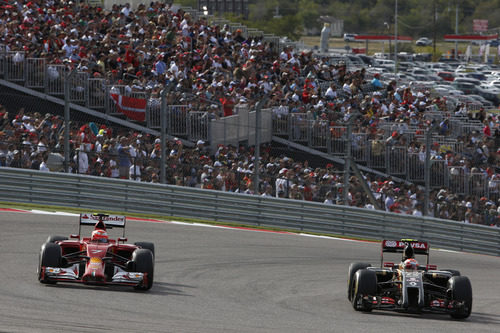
(97, 260)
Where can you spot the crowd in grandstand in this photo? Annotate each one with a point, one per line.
(149, 47)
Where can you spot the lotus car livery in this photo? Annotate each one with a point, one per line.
(408, 286)
(97, 260)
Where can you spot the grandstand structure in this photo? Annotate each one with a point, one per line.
(311, 134)
(395, 148)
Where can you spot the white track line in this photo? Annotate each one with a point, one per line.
(43, 212)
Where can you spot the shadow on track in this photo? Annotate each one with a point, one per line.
(475, 317)
(159, 288)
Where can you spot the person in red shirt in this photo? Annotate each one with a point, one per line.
(227, 105)
(486, 128)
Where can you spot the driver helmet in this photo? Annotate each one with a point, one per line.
(100, 236)
(411, 264)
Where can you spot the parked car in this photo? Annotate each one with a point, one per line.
(466, 87)
(447, 76)
(495, 43)
(423, 41)
(369, 61)
(350, 37)
(486, 103)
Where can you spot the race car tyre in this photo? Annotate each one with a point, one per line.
(353, 268)
(144, 263)
(453, 272)
(53, 239)
(146, 245)
(365, 283)
(461, 291)
(50, 256)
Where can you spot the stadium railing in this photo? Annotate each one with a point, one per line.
(166, 201)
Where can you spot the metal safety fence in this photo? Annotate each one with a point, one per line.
(112, 195)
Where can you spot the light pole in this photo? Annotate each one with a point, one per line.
(456, 31)
(396, 37)
(389, 37)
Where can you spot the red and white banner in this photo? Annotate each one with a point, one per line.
(133, 108)
(480, 25)
(469, 38)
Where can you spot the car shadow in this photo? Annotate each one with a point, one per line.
(164, 288)
(159, 288)
(475, 317)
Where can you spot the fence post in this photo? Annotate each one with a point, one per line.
(427, 169)
(67, 78)
(163, 125)
(256, 163)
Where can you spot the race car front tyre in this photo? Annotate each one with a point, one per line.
(146, 245)
(53, 239)
(144, 263)
(50, 256)
(365, 284)
(353, 268)
(453, 272)
(461, 291)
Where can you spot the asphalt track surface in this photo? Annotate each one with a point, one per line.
(220, 280)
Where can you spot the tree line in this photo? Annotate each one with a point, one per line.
(293, 18)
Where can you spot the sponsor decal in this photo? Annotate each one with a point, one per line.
(437, 303)
(390, 243)
(115, 220)
(95, 260)
(402, 244)
(415, 245)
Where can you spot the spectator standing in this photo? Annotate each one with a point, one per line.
(124, 158)
(43, 165)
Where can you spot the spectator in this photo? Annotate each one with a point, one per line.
(124, 158)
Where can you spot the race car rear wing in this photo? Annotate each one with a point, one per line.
(398, 246)
(102, 221)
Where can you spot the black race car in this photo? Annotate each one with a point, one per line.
(408, 286)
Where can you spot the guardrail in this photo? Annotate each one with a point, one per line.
(86, 192)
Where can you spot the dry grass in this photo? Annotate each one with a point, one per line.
(373, 47)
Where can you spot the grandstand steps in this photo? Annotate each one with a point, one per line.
(44, 103)
(318, 158)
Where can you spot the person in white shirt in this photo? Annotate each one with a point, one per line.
(43, 165)
(331, 92)
(82, 160)
(135, 170)
(115, 171)
(268, 192)
(329, 198)
(126, 10)
(418, 210)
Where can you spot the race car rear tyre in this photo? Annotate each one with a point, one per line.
(365, 284)
(453, 272)
(144, 263)
(461, 291)
(50, 256)
(353, 268)
(53, 239)
(146, 245)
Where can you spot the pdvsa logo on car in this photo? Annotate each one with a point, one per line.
(415, 245)
(391, 243)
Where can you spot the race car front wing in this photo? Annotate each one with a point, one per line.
(71, 274)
